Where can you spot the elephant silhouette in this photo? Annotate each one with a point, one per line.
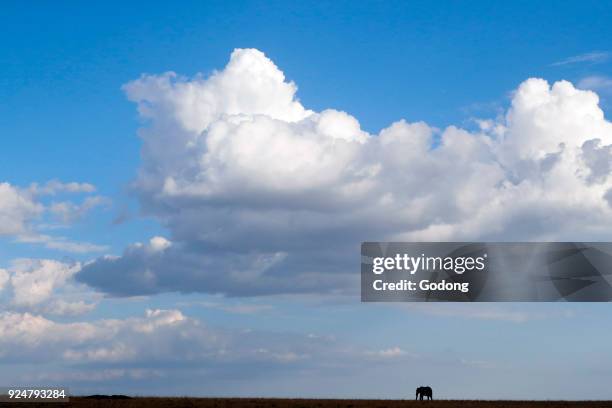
(426, 392)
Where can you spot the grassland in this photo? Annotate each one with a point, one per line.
(80, 402)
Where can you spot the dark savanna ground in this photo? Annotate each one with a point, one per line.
(306, 403)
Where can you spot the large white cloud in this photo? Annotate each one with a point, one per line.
(261, 195)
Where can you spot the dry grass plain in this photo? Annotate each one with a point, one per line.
(307, 403)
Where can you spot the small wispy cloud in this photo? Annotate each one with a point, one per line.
(239, 308)
(598, 83)
(60, 243)
(391, 353)
(487, 312)
(593, 57)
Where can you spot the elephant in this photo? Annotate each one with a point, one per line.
(424, 392)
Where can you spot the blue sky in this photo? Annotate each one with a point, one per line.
(256, 272)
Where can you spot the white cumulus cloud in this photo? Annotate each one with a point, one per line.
(262, 195)
(45, 286)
